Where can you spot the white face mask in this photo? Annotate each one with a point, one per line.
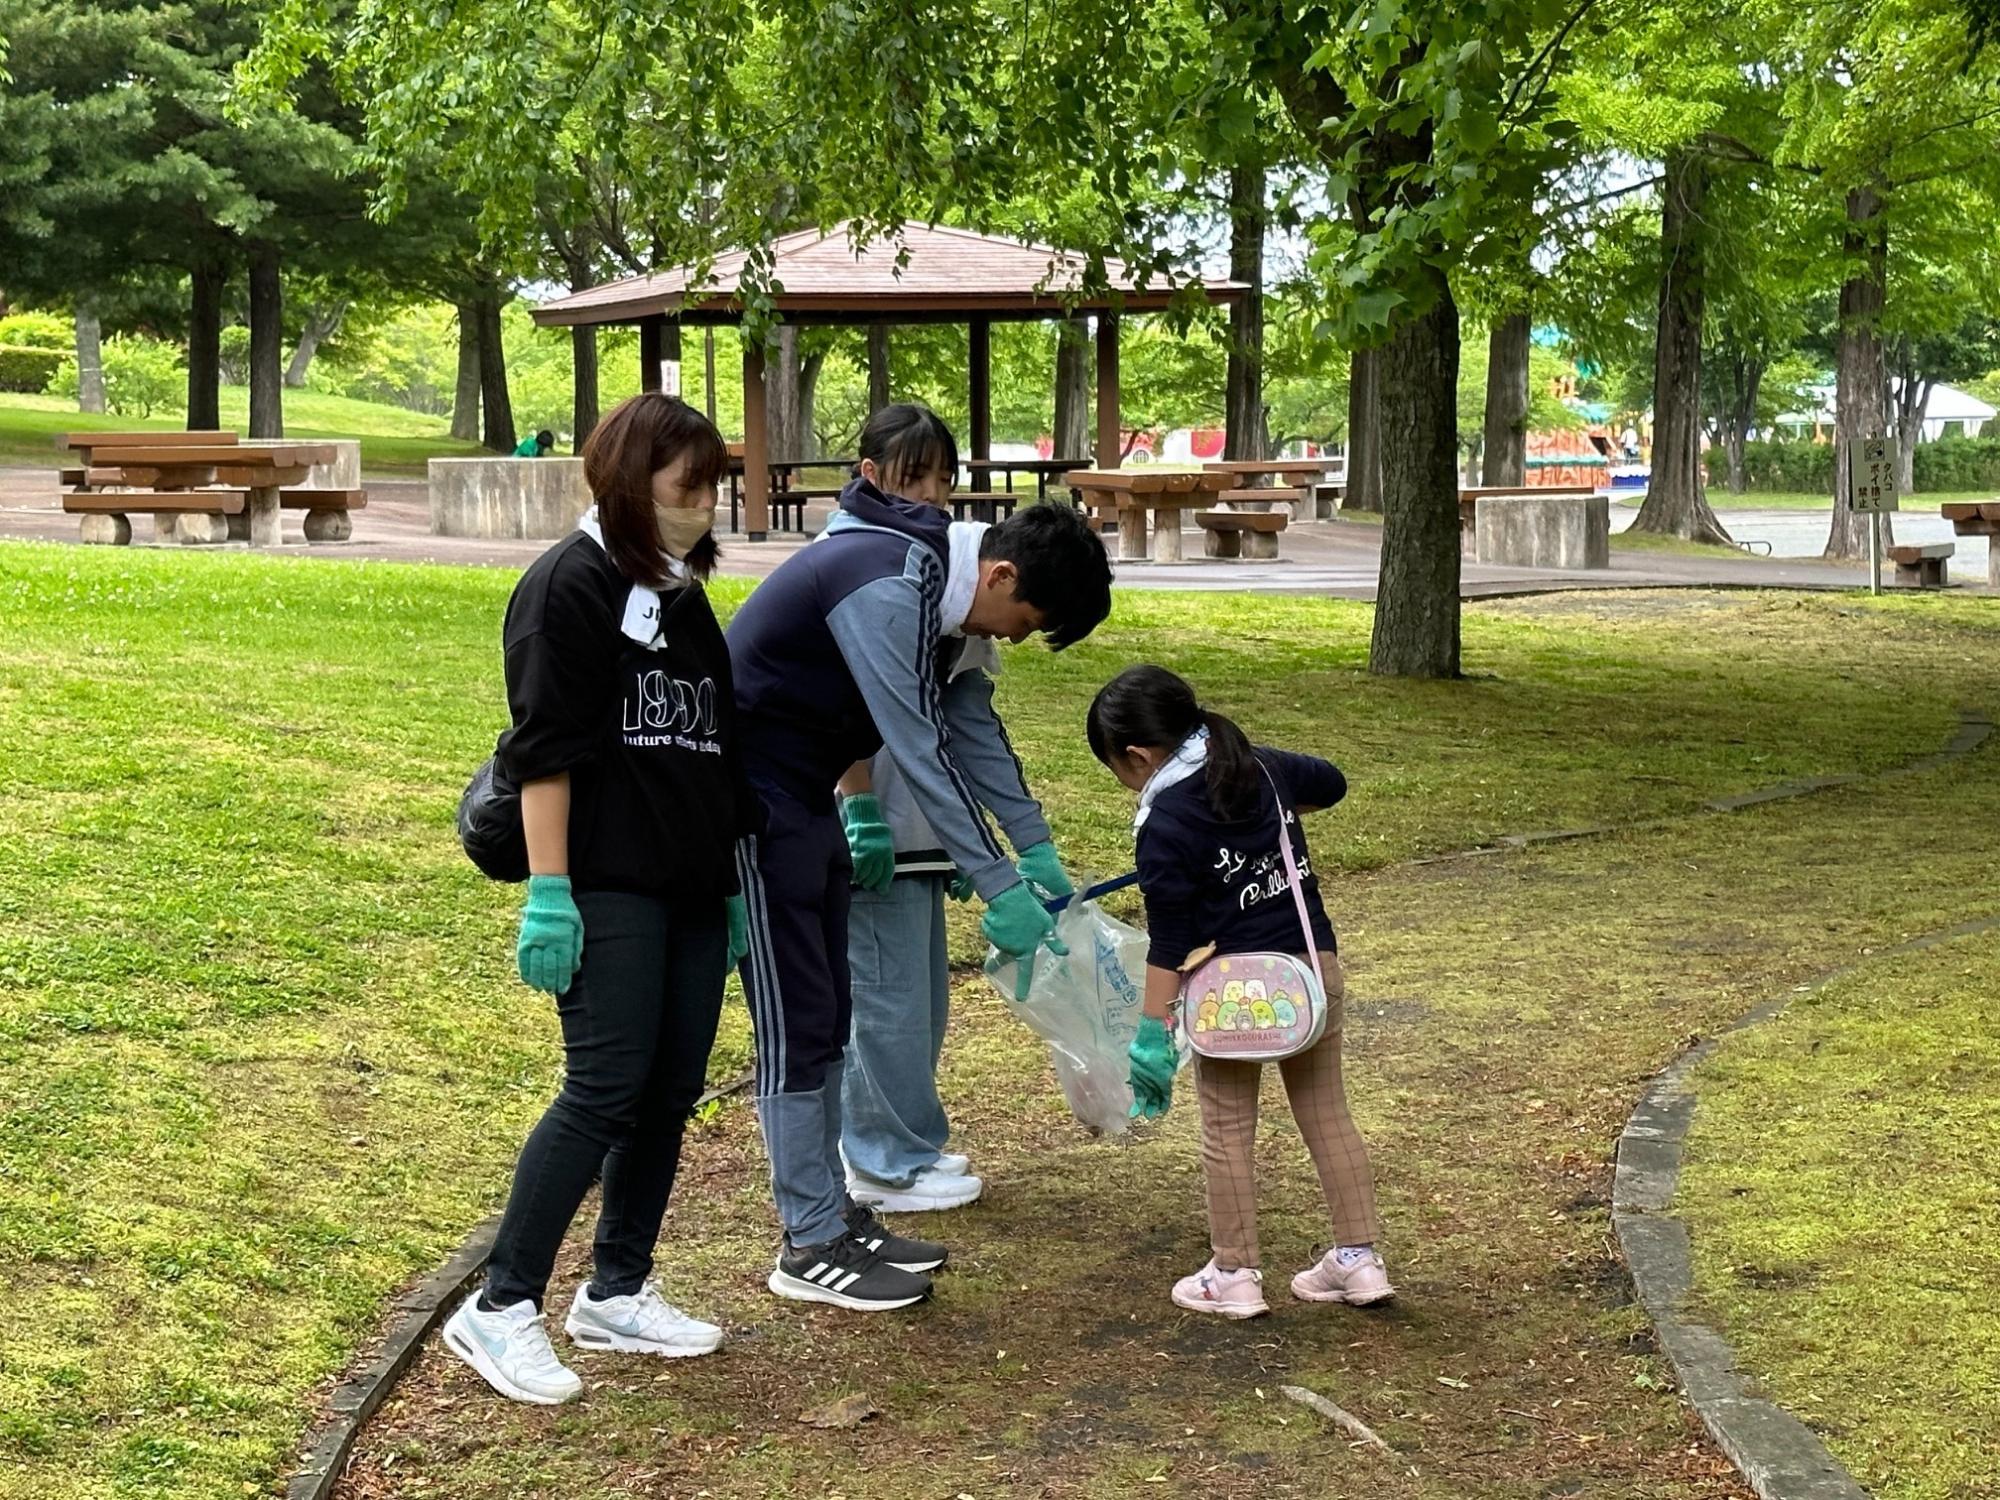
(681, 528)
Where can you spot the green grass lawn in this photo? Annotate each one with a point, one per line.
(263, 1058)
(1840, 1195)
(393, 441)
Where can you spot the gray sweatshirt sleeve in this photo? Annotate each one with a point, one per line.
(887, 632)
(980, 741)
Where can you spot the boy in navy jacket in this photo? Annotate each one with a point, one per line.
(839, 654)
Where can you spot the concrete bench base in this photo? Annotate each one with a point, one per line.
(1543, 531)
(1923, 567)
(1248, 535)
(537, 499)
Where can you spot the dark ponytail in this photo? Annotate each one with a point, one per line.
(1152, 707)
(1233, 776)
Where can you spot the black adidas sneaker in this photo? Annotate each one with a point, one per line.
(904, 1254)
(845, 1273)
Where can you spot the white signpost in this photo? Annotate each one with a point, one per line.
(1871, 489)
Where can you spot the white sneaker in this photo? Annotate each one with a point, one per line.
(931, 1191)
(510, 1350)
(643, 1323)
(952, 1165)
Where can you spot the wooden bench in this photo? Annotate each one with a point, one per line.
(199, 516)
(1242, 534)
(1978, 518)
(1922, 566)
(1263, 496)
(208, 515)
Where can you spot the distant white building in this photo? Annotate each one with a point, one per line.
(1949, 408)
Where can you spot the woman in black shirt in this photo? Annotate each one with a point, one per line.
(623, 742)
(1214, 881)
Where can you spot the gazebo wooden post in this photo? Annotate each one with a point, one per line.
(1109, 446)
(652, 349)
(980, 347)
(1131, 518)
(756, 445)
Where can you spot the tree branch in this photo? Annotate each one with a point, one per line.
(1607, 195)
(1546, 55)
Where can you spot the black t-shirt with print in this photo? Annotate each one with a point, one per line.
(1208, 880)
(648, 736)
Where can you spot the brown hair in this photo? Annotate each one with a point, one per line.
(638, 438)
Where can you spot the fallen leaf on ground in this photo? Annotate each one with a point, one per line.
(848, 1411)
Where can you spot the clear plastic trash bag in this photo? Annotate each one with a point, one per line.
(1086, 1006)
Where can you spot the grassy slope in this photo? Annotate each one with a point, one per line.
(263, 1058)
(393, 441)
(1840, 1193)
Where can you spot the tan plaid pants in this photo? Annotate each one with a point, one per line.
(1228, 1092)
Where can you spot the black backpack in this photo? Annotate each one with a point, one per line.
(489, 824)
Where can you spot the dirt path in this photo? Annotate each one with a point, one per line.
(1506, 1012)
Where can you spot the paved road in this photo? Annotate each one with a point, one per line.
(1330, 559)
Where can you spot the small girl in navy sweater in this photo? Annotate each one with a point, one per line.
(1209, 868)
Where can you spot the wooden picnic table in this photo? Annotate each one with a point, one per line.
(788, 497)
(1978, 518)
(1134, 494)
(176, 467)
(1293, 483)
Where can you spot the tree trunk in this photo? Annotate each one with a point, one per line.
(1860, 375)
(498, 434)
(1506, 433)
(267, 344)
(878, 367)
(809, 369)
(782, 396)
(1243, 432)
(1070, 436)
(1416, 602)
(465, 400)
(1676, 502)
(1364, 431)
(321, 324)
(1742, 416)
(204, 403)
(89, 359)
(1913, 399)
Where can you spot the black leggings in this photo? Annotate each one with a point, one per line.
(637, 1023)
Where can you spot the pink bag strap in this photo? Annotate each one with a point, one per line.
(1291, 864)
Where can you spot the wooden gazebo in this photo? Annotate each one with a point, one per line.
(945, 276)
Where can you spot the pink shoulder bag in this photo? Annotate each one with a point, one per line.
(1259, 1007)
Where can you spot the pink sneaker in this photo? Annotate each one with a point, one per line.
(1348, 1275)
(1233, 1294)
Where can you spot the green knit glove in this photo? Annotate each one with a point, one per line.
(739, 929)
(961, 886)
(1041, 868)
(1153, 1062)
(1017, 924)
(869, 844)
(550, 950)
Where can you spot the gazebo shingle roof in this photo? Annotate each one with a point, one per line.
(947, 272)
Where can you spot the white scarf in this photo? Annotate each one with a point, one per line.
(642, 605)
(961, 582)
(1183, 763)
